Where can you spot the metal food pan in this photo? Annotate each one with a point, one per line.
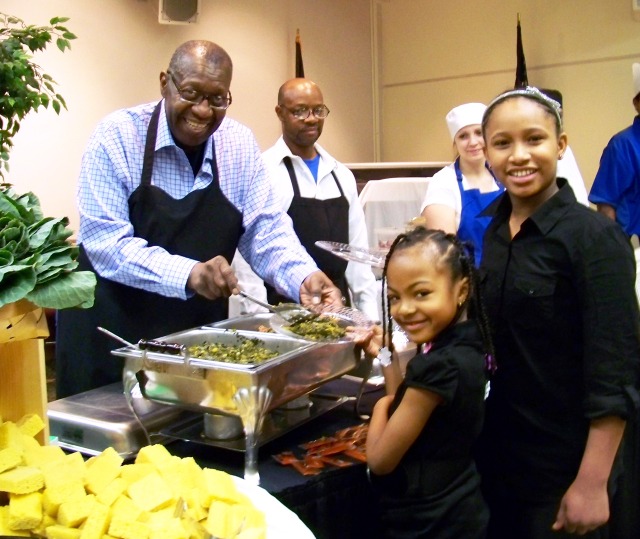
(210, 386)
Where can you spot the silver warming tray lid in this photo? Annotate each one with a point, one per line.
(210, 386)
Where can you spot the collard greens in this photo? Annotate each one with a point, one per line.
(37, 262)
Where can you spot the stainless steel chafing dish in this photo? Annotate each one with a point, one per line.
(246, 391)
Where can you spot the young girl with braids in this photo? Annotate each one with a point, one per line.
(422, 433)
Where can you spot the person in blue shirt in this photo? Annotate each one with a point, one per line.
(168, 190)
(616, 188)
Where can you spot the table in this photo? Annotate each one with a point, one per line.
(336, 504)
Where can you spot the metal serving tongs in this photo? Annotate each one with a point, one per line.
(150, 345)
(291, 312)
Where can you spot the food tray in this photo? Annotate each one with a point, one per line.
(210, 386)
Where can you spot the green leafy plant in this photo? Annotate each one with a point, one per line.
(36, 258)
(23, 85)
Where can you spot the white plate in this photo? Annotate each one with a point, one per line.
(345, 316)
(372, 257)
(282, 523)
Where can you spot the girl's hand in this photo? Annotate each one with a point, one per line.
(370, 339)
(583, 508)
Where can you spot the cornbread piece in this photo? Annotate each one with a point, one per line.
(10, 436)
(10, 457)
(58, 494)
(71, 468)
(172, 529)
(97, 522)
(132, 472)
(217, 523)
(75, 512)
(219, 485)
(62, 532)
(125, 509)
(21, 480)
(109, 493)
(102, 469)
(41, 529)
(28, 443)
(43, 456)
(30, 424)
(125, 529)
(195, 507)
(4, 525)
(156, 454)
(151, 492)
(25, 511)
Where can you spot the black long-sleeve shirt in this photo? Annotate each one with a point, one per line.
(561, 300)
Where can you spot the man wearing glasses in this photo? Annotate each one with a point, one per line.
(167, 192)
(318, 193)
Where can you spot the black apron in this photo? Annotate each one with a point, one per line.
(200, 226)
(318, 220)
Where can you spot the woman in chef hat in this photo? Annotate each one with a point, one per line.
(459, 192)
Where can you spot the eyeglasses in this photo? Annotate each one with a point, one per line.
(302, 113)
(193, 97)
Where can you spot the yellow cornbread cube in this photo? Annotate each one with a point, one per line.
(28, 443)
(43, 456)
(195, 507)
(75, 512)
(125, 509)
(156, 454)
(97, 522)
(133, 472)
(4, 525)
(171, 529)
(219, 485)
(25, 511)
(41, 529)
(109, 493)
(151, 492)
(30, 424)
(10, 436)
(58, 494)
(125, 529)
(10, 457)
(182, 475)
(217, 523)
(21, 480)
(62, 532)
(71, 468)
(102, 469)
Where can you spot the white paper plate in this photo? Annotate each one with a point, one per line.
(372, 257)
(282, 523)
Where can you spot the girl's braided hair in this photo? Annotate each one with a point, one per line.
(458, 257)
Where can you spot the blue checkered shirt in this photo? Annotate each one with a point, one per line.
(111, 171)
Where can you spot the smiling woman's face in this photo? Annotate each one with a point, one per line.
(191, 125)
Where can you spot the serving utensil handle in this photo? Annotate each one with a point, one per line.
(258, 301)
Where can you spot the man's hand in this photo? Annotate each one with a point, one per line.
(213, 279)
(317, 288)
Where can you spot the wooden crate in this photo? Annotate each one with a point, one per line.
(23, 380)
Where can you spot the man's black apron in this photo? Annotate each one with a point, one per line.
(316, 220)
(200, 226)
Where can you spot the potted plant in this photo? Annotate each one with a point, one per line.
(37, 261)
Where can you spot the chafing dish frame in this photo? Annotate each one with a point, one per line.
(247, 391)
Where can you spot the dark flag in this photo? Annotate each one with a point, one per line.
(299, 64)
(521, 68)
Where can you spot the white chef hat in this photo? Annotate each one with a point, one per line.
(464, 115)
(635, 69)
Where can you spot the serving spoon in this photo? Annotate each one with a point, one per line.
(291, 312)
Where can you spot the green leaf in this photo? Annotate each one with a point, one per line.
(56, 106)
(15, 283)
(74, 289)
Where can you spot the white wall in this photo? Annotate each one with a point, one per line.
(435, 55)
(121, 49)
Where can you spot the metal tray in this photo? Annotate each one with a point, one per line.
(210, 386)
